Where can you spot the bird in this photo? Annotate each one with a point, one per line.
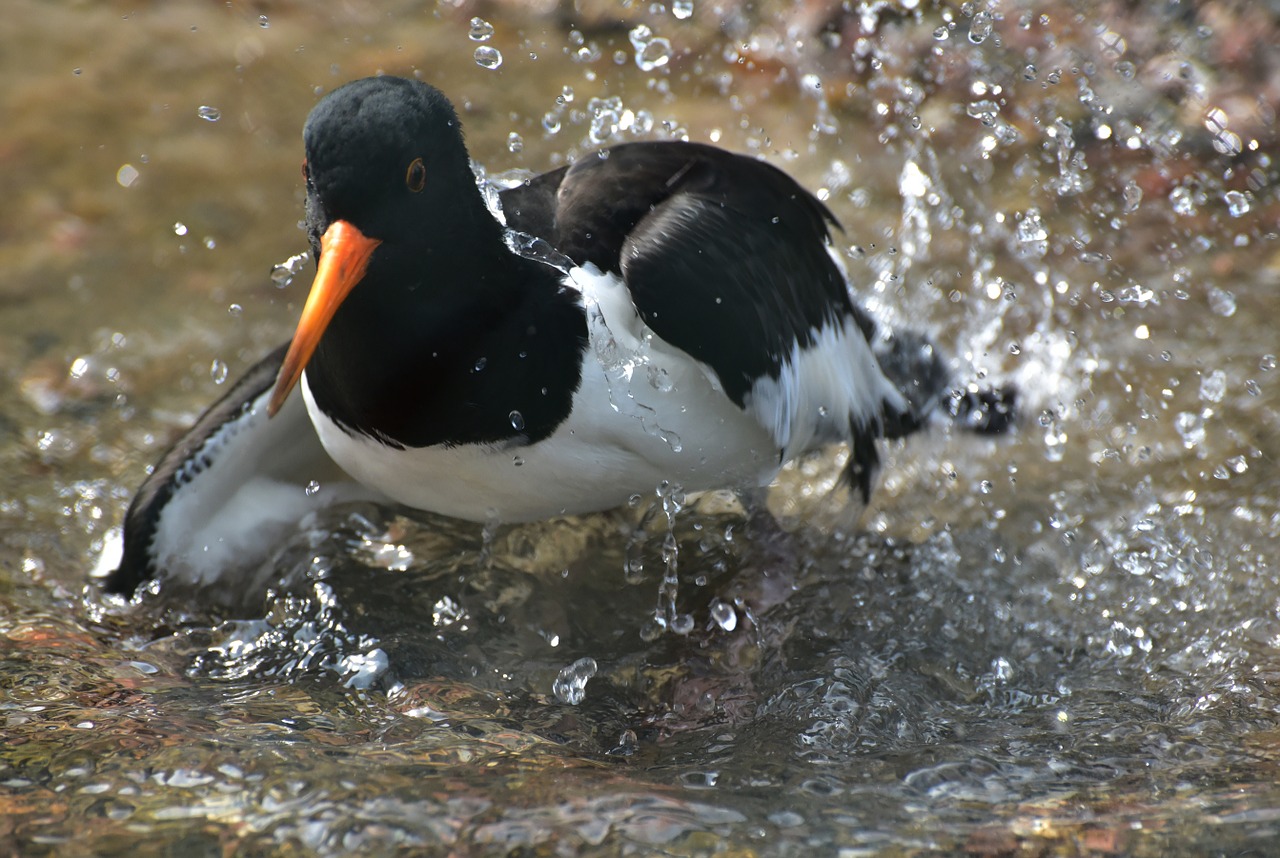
(653, 311)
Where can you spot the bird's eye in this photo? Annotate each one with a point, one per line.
(306, 171)
(415, 178)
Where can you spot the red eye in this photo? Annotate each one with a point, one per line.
(306, 172)
(415, 178)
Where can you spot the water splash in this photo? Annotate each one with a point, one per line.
(667, 616)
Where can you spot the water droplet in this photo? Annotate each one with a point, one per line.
(481, 364)
(551, 123)
(723, 615)
(980, 29)
(1213, 386)
(76, 71)
(655, 54)
(218, 371)
(1237, 203)
(660, 380)
(682, 9)
(515, 143)
(488, 57)
(179, 228)
(1267, 363)
(1029, 72)
(235, 310)
(570, 685)
(1191, 427)
(208, 114)
(651, 51)
(517, 420)
(263, 22)
(627, 745)
(282, 275)
(126, 175)
(1222, 302)
(942, 34)
(984, 110)
(1132, 197)
(209, 242)
(312, 488)
(481, 30)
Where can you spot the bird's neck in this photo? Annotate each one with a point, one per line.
(442, 343)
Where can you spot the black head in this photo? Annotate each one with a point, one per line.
(386, 155)
(391, 203)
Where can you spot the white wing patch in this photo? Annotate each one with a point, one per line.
(821, 390)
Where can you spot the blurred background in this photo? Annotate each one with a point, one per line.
(1062, 641)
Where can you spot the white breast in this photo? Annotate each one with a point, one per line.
(644, 412)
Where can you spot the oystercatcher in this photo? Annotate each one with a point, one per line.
(655, 311)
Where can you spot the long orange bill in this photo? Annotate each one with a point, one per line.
(344, 256)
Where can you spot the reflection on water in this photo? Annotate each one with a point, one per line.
(1062, 640)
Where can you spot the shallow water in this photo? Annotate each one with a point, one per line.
(1061, 640)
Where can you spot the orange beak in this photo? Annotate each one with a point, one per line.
(344, 256)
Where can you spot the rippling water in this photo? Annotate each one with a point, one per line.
(1062, 640)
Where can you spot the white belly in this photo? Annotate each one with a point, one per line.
(644, 412)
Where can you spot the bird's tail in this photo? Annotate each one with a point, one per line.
(911, 362)
(913, 365)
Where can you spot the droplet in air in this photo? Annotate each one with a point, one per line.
(1213, 386)
(126, 175)
(1237, 203)
(723, 615)
(208, 114)
(515, 143)
(179, 228)
(488, 57)
(218, 371)
(263, 22)
(682, 9)
(312, 488)
(481, 30)
(282, 275)
(980, 29)
(570, 685)
(652, 52)
(1132, 197)
(1222, 302)
(517, 421)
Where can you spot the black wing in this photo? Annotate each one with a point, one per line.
(726, 257)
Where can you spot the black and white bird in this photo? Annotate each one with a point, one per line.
(655, 311)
